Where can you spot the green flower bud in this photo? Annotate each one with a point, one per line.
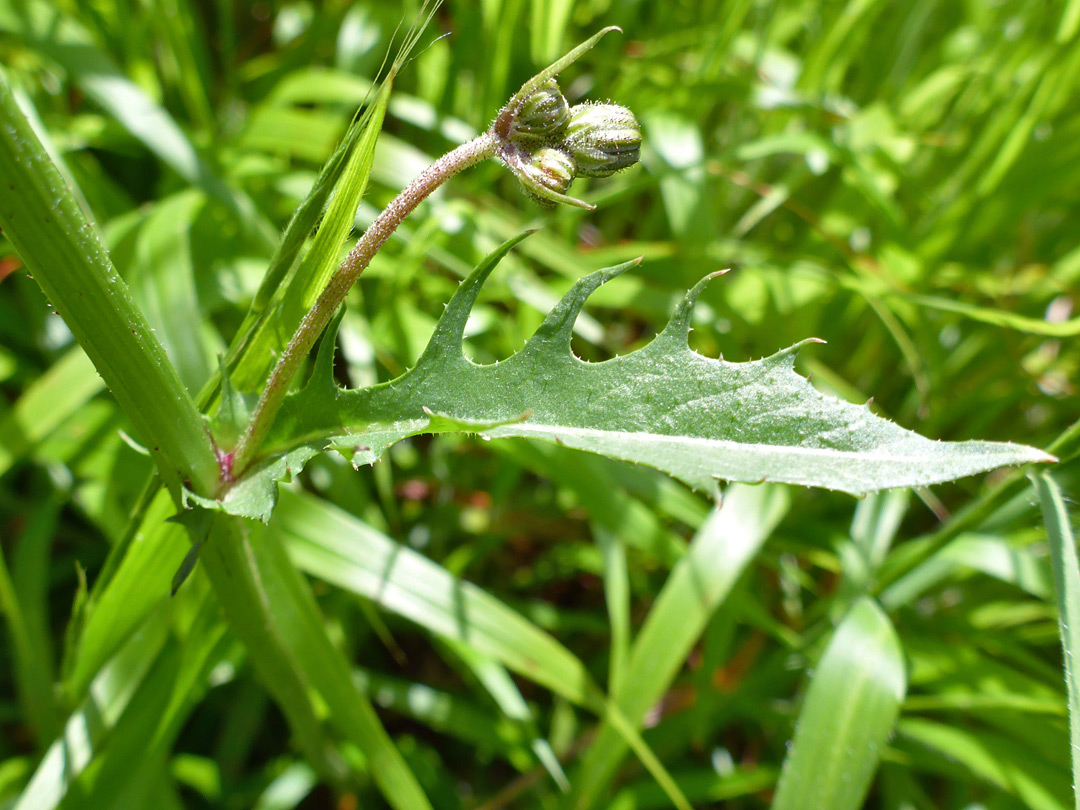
(546, 174)
(541, 117)
(602, 139)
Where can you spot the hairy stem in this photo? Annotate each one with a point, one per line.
(313, 324)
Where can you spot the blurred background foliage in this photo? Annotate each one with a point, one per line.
(899, 179)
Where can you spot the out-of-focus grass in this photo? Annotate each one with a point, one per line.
(900, 179)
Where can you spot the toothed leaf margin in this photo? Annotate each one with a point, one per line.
(699, 419)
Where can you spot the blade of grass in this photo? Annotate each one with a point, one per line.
(32, 670)
(65, 41)
(911, 554)
(162, 278)
(71, 265)
(725, 544)
(332, 545)
(445, 713)
(993, 758)
(68, 384)
(295, 292)
(109, 696)
(139, 586)
(989, 554)
(143, 735)
(1067, 589)
(617, 599)
(848, 714)
(502, 689)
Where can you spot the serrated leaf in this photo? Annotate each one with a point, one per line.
(666, 406)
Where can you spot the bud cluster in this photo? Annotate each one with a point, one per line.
(546, 143)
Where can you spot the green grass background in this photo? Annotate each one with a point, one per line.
(901, 179)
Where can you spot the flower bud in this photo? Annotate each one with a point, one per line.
(542, 116)
(602, 139)
(546, 174)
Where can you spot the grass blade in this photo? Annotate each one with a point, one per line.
(32, 669)
(288, 295)
(45, 404)
(849, 711)
(85, 731)
(997, 759)
(334, 546)
(698, 585)
(1067, 589)
(67, 43)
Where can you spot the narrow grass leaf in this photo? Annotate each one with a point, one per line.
(703, 787)
(1067, 589)
(68, 384)
(124, 768)
(139, 586)
(723, 547)
(162, 279)
(501, 687)
(86, 729)
(617, 599)
(990, 554)
(32, 669)
(444, 712)
(998, 760)
(64, 40)
(336, 547)
(347, 172)
(630, 735)
(847, 715)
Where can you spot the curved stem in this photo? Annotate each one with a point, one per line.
(313, 324)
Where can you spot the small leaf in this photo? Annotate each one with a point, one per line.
(234, 411)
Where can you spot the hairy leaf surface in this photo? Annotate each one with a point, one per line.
(699, 419)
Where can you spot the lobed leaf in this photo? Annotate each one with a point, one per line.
(697, 418)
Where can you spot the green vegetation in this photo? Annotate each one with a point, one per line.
(469, 624)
